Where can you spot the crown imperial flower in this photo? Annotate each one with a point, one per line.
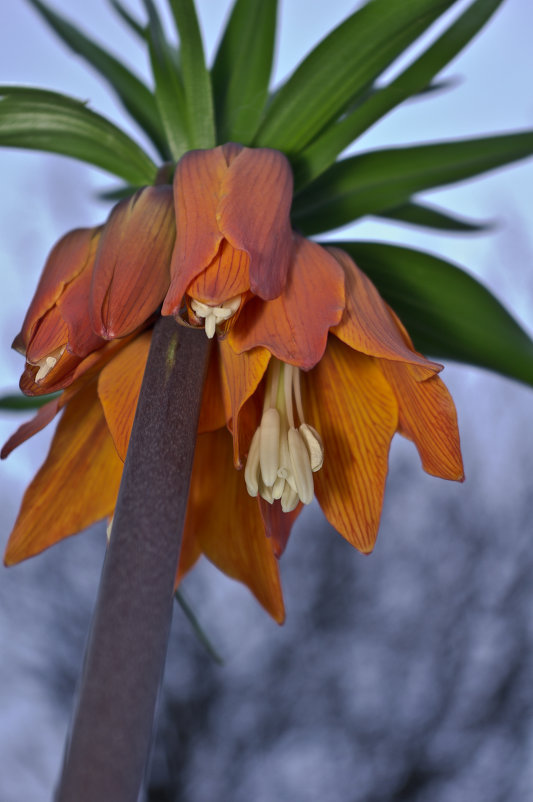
(311, 374)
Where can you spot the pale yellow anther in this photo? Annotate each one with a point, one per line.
(47, 363)
(210, 326)
(290, 499)
(301, 466)
(251, 471)
(269, 446)
(109, 528)
(314, 446)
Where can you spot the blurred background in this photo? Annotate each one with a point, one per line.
(405, 675)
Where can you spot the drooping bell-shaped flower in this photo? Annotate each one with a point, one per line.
(234, 236)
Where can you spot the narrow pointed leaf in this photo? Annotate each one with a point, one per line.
(169, 91)
(133, 94)
(196, 77)
(415, 79)
(129, 19)
(417, 214)
(42, 120)
(117, 193)
(343, 65)
(448, 313)
(382, 179)
(21, 403)
(241, 72)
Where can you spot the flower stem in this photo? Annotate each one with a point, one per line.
(107, 752)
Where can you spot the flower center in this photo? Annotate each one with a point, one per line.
(283, 457)
(46, 364)
(214, 315)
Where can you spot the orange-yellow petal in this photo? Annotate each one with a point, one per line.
(226, 524)
(427, 416)
(41, 419)
(241, 375)
(76, 486)
(253, 214)
(131, 271)
(67, 260)
(354, 409)
(294, 327)
(367, 325)
(197, 187)
(119, 385)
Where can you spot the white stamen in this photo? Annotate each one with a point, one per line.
(282, 457)
(213, 315)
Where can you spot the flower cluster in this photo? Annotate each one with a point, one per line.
(311, 376)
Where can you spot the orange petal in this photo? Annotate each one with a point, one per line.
(427, 416)
(294, 327)
(355, 411)
(67, 259)
(212, 413)
(119, 385)
(253, 215)
(74, 307)
(76, 486)
(226, 524)
(227, 276)
(50, 333)
(43, 417)
(278, 524)
(131, 271)
(197, 187)
(241, 375)
(367, 325)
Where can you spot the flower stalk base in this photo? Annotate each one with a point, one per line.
(112, 725)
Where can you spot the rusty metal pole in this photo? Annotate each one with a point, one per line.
(110, 738)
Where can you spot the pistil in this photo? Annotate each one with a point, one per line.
(283, 455)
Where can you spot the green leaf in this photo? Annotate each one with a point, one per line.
(22, 403)
(196, 77)
(117, 193)
(198, 631)
(129, 19)
(136, 98)
(430, 217)
(42, 120)
(169, 91)
(414, 80)
(447, 312)
(343, 65)
(382, 179)
(241, 72)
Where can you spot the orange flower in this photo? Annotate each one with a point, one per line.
(312, 375)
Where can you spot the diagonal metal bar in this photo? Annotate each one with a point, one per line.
(110, 738)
